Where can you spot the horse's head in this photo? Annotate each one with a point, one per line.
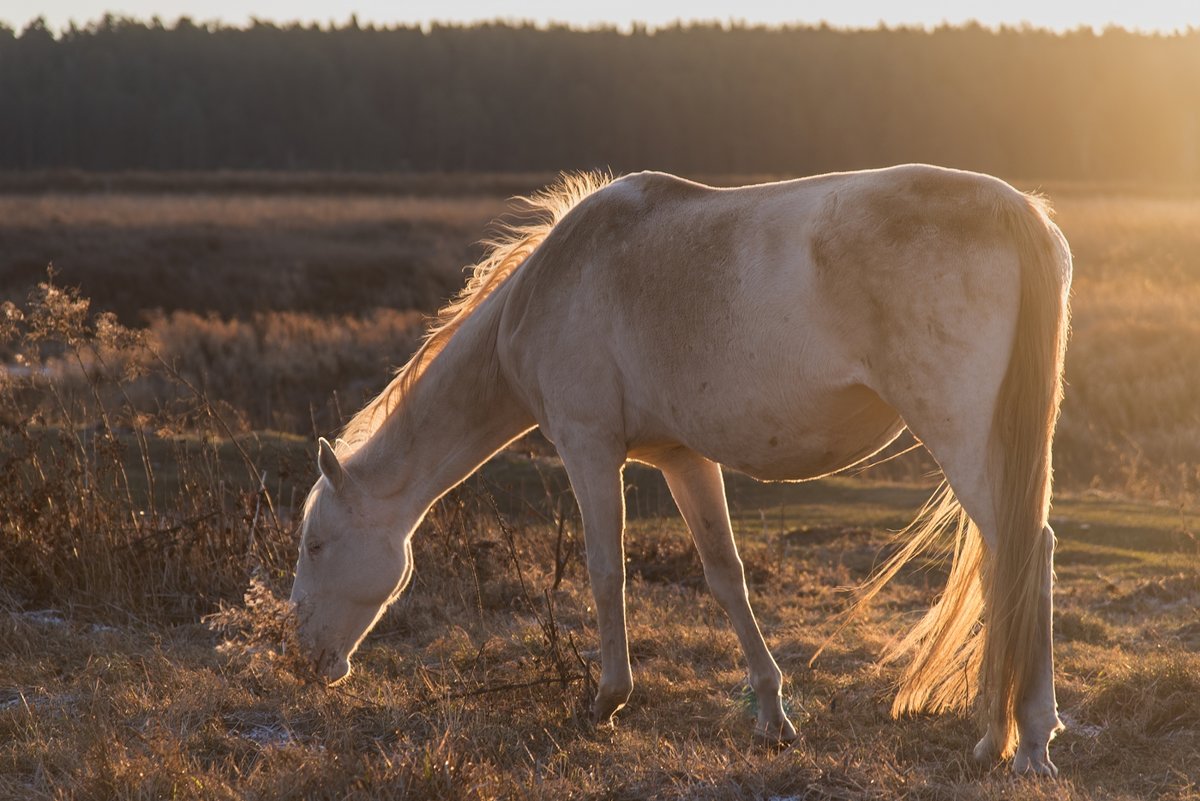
(354, 560)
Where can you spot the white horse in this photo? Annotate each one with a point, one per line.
(787, 330)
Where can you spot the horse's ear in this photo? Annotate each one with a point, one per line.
(331, 468)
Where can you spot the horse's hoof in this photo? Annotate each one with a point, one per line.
(1034, 762)
(775, 733)
(985, 750)
(601, 725)
(604, 709)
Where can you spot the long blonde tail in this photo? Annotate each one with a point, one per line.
(984, 628)
(1023, 428)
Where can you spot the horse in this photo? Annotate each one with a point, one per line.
(785, 330)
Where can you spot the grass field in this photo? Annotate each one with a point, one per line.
(139, 493)
(142, 710)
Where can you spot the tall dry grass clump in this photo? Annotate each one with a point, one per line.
(286, 371)
(108, 503)
(261, 634)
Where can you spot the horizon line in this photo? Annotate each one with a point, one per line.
(353, 20)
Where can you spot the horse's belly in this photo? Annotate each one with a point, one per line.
(805, 460)
(805, 436)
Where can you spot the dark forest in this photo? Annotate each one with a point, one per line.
(120, 95)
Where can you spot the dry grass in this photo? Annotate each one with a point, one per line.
(132, 505)
(241, 211)
(311, 370)
(238, 254)
(1131, 420)
(142, 710)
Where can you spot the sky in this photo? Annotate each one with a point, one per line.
(1148, 15)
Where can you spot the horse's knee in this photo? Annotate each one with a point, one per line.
(605, 570)
(727, 581)
(607, 584)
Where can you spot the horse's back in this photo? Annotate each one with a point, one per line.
(763, 325)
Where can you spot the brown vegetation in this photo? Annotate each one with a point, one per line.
(237, 254)
(1131, 420)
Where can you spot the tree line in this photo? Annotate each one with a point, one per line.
(123, 94)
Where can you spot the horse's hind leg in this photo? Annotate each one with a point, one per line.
(699, 491)
(959, 441)
(1037, 713)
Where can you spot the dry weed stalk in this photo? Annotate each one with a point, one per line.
(561, 666)
(261, 635)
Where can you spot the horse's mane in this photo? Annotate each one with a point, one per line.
(507, 249)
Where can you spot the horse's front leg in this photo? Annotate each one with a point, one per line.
(699, 491)
(595, 472)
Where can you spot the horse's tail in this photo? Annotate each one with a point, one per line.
(985, 626)
(1023, 427)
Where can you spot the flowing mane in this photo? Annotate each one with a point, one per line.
(507, 250)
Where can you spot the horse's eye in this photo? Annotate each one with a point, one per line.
(314, 549)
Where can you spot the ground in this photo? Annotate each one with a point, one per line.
(434, 707)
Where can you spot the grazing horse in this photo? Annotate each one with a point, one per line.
(786, 330)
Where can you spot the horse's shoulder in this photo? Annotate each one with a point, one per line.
(635, 208)
(646, 192)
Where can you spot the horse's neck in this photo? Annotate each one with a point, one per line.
(456, 414)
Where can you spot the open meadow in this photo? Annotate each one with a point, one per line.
(157, 432)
